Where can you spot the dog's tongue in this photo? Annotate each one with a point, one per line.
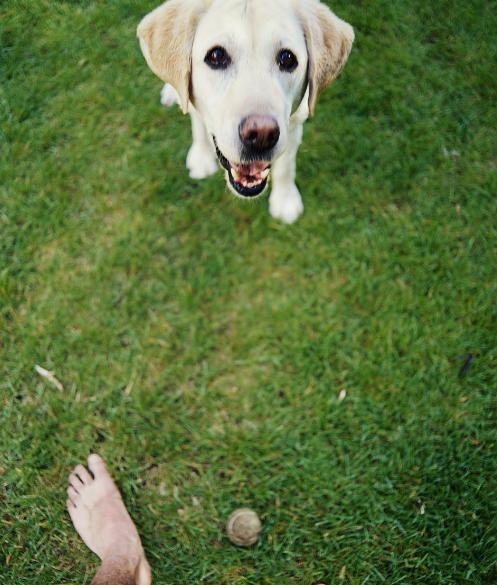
(253, 169)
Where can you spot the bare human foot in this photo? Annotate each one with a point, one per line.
(101, 519)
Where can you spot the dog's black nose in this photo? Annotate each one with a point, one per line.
(259, 134)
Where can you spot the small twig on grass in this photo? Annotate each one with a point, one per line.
(49, 376)
(468, 360)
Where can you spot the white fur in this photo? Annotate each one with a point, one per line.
(252, 31)
(168, 96)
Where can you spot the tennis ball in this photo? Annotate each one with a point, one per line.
(243, 527)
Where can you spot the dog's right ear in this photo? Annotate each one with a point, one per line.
(166, 39)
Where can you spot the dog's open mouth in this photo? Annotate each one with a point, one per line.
(249, 179)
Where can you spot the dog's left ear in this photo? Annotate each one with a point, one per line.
(329, 41)
(166, 39)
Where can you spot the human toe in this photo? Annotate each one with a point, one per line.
(83, 474)
(97, 466)
(73, 495)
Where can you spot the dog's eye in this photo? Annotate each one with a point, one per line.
(287, 61)
(218, 58)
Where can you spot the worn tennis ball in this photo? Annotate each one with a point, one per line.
(243, 527)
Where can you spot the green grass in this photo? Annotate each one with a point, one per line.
(203, 345)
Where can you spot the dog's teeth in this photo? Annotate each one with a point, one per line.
(265, 174)
(235, 175)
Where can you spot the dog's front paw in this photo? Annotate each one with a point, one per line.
(286, 204)
(168, 96)
(201, 162)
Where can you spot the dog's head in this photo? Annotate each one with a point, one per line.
(248, 67)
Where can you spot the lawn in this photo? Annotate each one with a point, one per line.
(338, 375)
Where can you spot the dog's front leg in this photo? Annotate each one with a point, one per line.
(285, 202)
(201, 160)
